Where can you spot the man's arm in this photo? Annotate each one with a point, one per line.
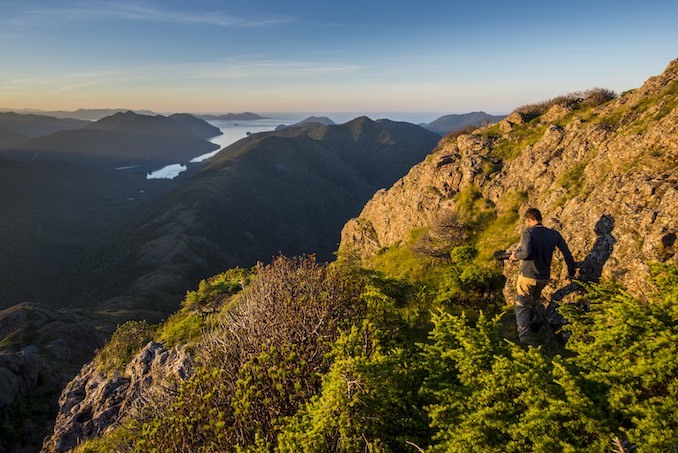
(523, 250)
(567, 256)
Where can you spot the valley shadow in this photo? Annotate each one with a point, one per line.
(591, 268)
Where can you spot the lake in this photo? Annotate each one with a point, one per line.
(232, 131)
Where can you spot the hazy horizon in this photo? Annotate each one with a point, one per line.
(286, 118)
(216, 56)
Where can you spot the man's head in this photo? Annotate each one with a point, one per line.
(533, 216)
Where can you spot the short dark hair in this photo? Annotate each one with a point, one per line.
(533, 214)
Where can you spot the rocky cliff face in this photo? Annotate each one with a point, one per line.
(605, 176)
(94, 400)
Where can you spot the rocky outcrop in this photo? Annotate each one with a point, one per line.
(92, 402)
(606, 177)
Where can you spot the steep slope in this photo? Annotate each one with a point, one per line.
(42, 349)
(606, 176)
(121, 140)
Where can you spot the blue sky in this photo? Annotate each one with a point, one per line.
(321, 56)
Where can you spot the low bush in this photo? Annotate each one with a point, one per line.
(574, 100)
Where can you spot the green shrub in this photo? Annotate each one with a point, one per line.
(368, 401)
(616, 380)
(626, 349)
(466, 283)
(488, 395)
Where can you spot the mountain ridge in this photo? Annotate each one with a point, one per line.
(123, 139)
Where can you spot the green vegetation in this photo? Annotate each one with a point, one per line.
(499, 232)
(126, 341)
(321, 358)
(188, 324)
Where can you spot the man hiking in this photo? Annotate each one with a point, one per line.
(537, 244)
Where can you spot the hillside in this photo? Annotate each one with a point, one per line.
(311, 121)
(199, 127)
(121, 140)
(298, 356)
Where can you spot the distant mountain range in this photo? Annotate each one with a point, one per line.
(247, 116)
(285, 191)
(450, 123)
(81, 114)
(311, 121)
(123, 139)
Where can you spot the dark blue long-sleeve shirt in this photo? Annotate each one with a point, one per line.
(536, 248)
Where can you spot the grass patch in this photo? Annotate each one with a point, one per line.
(509, 146)
(182, 328)
(571, 179)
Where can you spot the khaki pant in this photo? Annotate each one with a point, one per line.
(529, 292)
